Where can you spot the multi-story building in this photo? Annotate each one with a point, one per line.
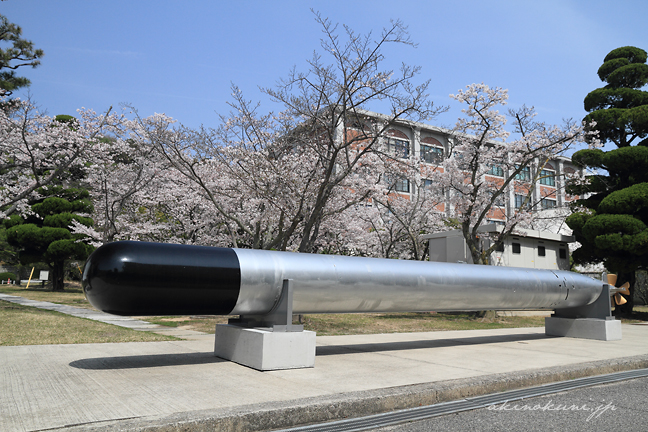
(430, 146)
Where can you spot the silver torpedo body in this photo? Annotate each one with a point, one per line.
(340, 284)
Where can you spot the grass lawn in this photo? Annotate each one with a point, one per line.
(366, 323)
(344, 324)
(21, 325)
(72, 296)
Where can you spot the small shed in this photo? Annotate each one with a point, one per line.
(527, 248)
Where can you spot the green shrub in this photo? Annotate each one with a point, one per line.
(7, 275)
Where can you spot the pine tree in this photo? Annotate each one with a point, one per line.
(45, 235)
(20, 53)
(614, 228)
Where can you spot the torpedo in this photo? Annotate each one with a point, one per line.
(141, 278)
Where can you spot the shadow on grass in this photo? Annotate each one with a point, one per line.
(636, 315)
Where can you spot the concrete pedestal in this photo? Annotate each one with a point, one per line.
(265, 350)
(585, 328)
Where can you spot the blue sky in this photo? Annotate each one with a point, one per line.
(180, 57)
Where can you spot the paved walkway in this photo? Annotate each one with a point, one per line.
(180, 385)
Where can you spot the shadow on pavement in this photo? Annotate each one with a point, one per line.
(146, 361)
(424, 344)
(183, 359)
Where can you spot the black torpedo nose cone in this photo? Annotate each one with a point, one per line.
(140, 278)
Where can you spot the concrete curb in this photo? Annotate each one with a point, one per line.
(263, 417)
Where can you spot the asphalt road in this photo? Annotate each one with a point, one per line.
(621, 406)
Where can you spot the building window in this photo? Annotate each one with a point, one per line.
(496, 171)
(516, 249)
(519, 200)
(433, 155)
(499, 247)
(398, 183)
(496, 222)
(547, 203)
(524, 175)
(398, 148)
(357, 123)
(562, 253)
(402, 185)
(541, 251)
(548, 177)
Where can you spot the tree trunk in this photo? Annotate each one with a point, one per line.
(474, 245)
(58, 273)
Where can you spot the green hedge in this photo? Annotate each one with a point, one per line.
(7, 275)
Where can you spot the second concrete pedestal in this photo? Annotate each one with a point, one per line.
(264, 349)
(585, 328)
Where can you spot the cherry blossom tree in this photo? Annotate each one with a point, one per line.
(44, 162)
(137, 195)
(125, 179)
(256, 180)
(398, 221)
(36, 150)
(256, 186)
(349, 233)
(328, 102)
(488, 165)
(202, 170)
(274, 180)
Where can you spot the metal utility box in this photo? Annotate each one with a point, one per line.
(529, 248)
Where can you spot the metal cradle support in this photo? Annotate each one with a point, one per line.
(278, 319)
(592, 321)
(267, 342)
